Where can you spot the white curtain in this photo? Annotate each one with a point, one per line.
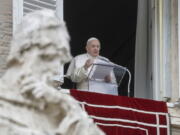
(142, 86)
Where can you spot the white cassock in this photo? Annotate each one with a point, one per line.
(79, 75)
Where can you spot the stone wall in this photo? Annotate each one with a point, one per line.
(5, 32)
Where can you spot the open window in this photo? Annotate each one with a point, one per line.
(112, 22)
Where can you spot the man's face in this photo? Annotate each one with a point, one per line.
(44, 64)
(93, 48)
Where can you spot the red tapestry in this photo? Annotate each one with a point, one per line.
(120, 115)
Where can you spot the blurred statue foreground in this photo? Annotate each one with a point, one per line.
(29, 103)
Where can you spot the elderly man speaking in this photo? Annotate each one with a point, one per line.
(81, 65)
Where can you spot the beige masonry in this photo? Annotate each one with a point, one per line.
(6, 28)
(5, 32)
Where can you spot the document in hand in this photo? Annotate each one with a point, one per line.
(100, 71)
(97, 79)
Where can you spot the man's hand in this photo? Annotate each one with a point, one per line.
(88, 63)
(108, 78)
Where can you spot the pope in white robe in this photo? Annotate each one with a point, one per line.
(81, 66)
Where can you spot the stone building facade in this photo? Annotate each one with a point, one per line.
(163, 38)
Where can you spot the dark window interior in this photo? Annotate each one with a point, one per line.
(112, 22)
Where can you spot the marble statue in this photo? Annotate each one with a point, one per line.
(30, 104)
